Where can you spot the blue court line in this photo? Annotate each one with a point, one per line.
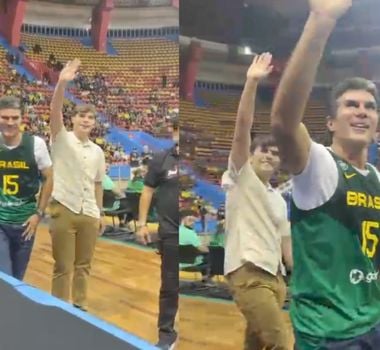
(44, 298)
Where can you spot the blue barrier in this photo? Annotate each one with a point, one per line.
(137, 139)
(210, 192)
(143, 138)
(117, 135)
(211, 226)
(120, 171)
(49, 323)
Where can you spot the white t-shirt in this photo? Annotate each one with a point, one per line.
(256, 221)
(41, 153)
(319, 180)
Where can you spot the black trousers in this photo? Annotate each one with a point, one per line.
(168, 304)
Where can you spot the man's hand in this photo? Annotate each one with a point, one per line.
(333, 9)
(142, 235)
(31, 227)
(69, 72)
(260, 68)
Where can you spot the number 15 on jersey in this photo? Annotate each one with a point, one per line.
(10, 185)
(370, 239)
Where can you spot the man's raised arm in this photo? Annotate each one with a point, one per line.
(297, 82)
(259, 69)
(67, 74)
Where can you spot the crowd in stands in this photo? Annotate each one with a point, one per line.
(125, 113)
(36, 98)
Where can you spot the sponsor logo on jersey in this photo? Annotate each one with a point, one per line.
(360, 199)
(173, 172)
(358, 276)
(349, 176)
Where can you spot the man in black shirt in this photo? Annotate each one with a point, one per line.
(134, 158)
(162, 177)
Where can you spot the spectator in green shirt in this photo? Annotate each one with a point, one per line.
(218, 238)
(136, 184)
(188, 236)
(109, 185)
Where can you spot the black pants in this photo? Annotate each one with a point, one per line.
(168, 248)
(123, 205)
(367, 341)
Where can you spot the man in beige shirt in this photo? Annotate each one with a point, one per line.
(79, 169)
(257, 229)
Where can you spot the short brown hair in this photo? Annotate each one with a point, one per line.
(355, 83)
(10, 102)
(85, 108)
(263, 141)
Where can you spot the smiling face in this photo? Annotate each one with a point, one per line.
(10, 122)
(265, 160)
(83, 123)
(84, 120)
(356, 119)
(10, 118)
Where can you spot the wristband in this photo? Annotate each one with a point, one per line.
(40, 213)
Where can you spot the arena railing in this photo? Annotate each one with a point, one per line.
(171, 32)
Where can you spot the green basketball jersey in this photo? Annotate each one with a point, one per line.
(335, 283)
(19, 181)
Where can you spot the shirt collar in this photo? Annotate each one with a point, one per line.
(79, 142)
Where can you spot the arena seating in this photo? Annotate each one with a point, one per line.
(139, 65)
(218, 119)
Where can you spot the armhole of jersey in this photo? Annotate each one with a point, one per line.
(30, 144)
(375, 170)
(36, 140)
(318, 182)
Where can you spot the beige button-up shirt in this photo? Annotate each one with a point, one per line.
(256, 221)
(77, 166)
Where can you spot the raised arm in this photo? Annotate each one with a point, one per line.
(259, 69)
(67, 74)
(297, 81)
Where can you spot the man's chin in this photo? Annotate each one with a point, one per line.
(360, 141)
(9, 134)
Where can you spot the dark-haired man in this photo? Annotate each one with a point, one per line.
(162, 179)
(79, 169)
(23, 159)
(335, 212)
(257, 229)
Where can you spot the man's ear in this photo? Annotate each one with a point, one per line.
(330, 123)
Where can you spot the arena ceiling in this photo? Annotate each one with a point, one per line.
(271, 25)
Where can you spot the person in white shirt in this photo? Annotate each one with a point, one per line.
(79, 169)
(257, 229)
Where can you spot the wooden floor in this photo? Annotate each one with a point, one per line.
(124, 291)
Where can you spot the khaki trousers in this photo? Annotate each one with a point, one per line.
(73, 242)
(260, 297)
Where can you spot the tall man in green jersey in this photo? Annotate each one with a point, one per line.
(23, 159)
(336, 199)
